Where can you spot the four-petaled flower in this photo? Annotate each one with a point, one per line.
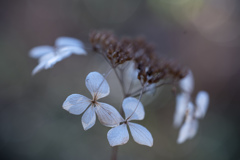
(193, 113)
(119, 135)
(77, 104)
(49, 56)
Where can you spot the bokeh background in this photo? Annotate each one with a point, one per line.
(201, 34)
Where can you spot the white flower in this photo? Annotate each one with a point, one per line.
(77, 104)
(190, 126)
(187, 83)
(49, 56)
(119, 135)
(182, 101)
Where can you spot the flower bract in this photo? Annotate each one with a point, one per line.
(119, 135)
(77, 104)
(49, 56)
(193, 113)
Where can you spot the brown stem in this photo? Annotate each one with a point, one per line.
(114, 153)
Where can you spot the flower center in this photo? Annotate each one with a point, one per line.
(94, 101)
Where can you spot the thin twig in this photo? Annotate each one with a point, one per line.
(136, 93)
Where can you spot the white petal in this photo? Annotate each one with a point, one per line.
(46, 57)
(68, 41)
(38, 68)
(202, 101)
(89, 118)
(97, 85)
(39, 51)
(118, 135)
(181, 107)
(65, 52)
(51, 62)
(193, 129)
(71, 49)
(140, 134)
(187, 83)
(132, 107)
(108, 115)
(183, 133)
(76, 103)
(188, 130)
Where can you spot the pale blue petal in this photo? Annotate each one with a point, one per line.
(68, 50)
(193, 130)
(108, 115)
(97, 85)
(38, 68)
(76, 104)
(140, 134)
(188, 130)
(89, 118)
(133, 108)
(202, 101)
(39, 51)
(68, 41)
(118, 135)
(182, 101)
(51, 62)
(184, 133)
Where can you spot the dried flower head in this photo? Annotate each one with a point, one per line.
(151, 69)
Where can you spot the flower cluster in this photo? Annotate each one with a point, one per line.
(107, 114)
(186, 109)
(133, 61)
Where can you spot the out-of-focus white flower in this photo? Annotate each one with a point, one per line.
(77, 104)
(202, 101)
(49, 56)
(190, 126)
(187, 83)
(187, 86)
(119, 135)
(182, 101)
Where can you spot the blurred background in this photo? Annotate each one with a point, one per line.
(201, 34)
